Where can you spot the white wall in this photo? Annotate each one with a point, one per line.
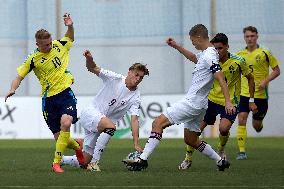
(21, 118)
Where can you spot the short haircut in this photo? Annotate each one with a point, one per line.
(42, 34)
(199, 30)
(250, 28)
(139, 67)
(220, 38)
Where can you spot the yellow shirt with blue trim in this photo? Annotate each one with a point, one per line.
(232, 69)
(50, 68)
(259, 62)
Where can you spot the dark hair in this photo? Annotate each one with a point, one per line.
(220, 38)
(199, 30)
(250, 28)
(42, 34)
(139, 67)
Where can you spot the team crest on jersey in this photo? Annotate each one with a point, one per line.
(258, 58)
(232, 69)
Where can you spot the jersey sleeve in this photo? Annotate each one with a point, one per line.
(106, 75)
(135, 107)
(26, 67)
(66, 42)
(212, 61)
(273, 62)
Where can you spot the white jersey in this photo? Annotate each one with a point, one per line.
(115, 99)
(202, 78)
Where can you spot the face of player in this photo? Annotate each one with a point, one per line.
(195, 40)
(222, 50)
(133, 79)
(44, 45)
(250, 38)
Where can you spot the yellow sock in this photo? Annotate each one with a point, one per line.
(223, 141)
(242, 137)
(61, 145)
(189, 152)
(72, 144)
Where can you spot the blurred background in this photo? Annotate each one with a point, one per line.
(122, 32)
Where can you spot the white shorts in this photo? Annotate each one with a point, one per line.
(182, 112)
(90, 141)
(90, 118)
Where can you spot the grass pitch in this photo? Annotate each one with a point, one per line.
(27, 163)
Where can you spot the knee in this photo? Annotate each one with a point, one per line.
(191, 143)
(224, 131)
(66, 121)
(156, 126)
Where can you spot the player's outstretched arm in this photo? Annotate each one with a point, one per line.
(90, 63)
(135, 132)
(69, 23)
(229, 107)
(188, 54)
(15, 84)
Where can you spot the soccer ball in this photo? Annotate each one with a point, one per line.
(130, 158)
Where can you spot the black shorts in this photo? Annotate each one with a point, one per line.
(55, 106)
(213, 110)
(262, 106)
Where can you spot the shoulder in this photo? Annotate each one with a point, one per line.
(264, 49)
(237, 58)
(111, 74)
(63, 41)
(242, 51)
(210, 53)
(31, 55)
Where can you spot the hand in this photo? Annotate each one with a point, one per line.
(67, 20)
(10, 93)
(171, 42)
(263, 84)
(88, 55)
(253, 107)
(138, 148)
(230, 108)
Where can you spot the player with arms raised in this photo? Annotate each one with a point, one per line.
(49, 63)
(118, 95)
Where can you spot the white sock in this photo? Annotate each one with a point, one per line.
(70, 160)
(101, 143)
(207, 150)
(151, 144)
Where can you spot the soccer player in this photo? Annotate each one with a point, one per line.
(118, 95)
(233, 67)
(49, 63)
(191, 109)
(259, 60)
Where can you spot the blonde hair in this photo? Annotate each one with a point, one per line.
(139, 67)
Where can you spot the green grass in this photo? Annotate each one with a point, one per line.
(27, 163)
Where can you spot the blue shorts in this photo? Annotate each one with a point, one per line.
(262, 107)
(213, 110)
(55, 106)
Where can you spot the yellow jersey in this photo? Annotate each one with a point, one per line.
(232, 69)
(259, 62)
(50, 68)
